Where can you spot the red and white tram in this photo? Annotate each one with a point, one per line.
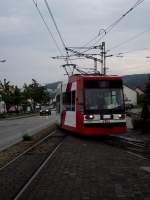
(91, 105)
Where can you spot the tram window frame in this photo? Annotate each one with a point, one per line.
(68, 101)
(58, 103)
(71, 101)
(64, 101)
(103, 84)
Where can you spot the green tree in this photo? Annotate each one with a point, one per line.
(36, 93)
(6, 92)
(10, 94)
(16, 97)
(5, 86)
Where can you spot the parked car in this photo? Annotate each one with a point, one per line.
(45, 111)
(13, 109)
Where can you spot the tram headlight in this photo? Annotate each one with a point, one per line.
(89, 117)
(119, 116)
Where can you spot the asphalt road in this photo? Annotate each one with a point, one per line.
(11, 131)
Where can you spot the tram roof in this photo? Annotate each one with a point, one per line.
(95, 76)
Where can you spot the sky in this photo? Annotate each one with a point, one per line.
(28, 47)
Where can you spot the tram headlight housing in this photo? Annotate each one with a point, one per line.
(119, 116)
(89, 117)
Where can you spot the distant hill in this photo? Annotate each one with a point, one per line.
(52, 86)
(136, 80)
(132, 81)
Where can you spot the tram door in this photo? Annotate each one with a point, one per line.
(70, 119)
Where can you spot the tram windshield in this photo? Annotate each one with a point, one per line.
(103, 99)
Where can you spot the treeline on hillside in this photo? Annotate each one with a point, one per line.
(136, 80)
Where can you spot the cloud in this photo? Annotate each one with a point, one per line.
(28, 47)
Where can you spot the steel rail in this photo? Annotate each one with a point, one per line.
(37, 172)
(28, 149)
(133, 146)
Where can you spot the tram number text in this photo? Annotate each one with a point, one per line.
(106, 121)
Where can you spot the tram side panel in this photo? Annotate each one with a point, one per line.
(58, 104)
(66, 106)
(70, 110)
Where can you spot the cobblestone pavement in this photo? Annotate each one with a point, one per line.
(90, 170)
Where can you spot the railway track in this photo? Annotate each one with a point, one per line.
(18, 173)
(139, 148)
(27, 150)
(22, 190)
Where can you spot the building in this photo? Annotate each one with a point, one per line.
(130, 96)
(139, 91)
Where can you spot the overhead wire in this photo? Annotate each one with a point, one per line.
(57, 29)
(127, 52)
(52, 17)
(129, 40)
(110, 27)
(47, 27)
(99, 36)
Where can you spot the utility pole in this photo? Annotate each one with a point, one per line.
(104, 58)
(86, 56)
(101, 60)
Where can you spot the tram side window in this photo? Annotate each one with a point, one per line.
(70, 101)
(68, 106)
(73, 100)
(58, 104)
(64, 101)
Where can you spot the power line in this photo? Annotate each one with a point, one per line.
(57, 29)
(127, 52)
(130, 39)
(110, 27)
(50, 12)
(47, 27)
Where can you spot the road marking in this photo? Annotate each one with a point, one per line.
(147, 169)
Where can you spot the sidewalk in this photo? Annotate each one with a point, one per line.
(17, 116)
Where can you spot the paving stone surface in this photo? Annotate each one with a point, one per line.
(84, 169)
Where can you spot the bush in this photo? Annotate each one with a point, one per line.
(27, 137)
(139, 124)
